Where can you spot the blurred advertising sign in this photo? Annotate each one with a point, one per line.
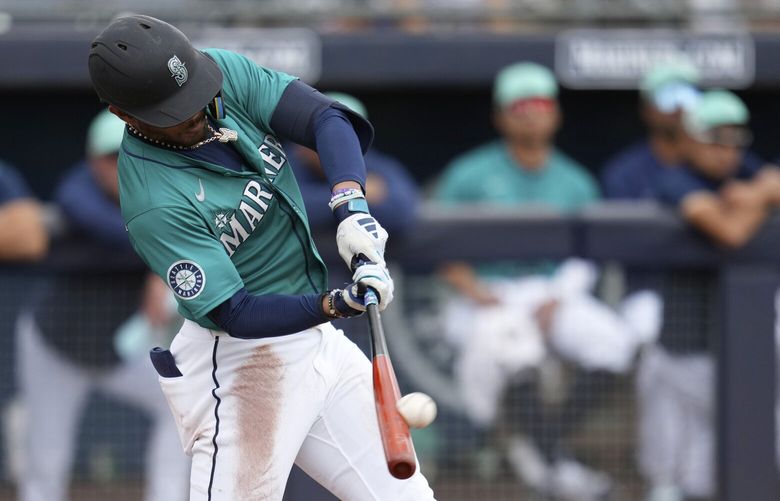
(617, 59)
(292, 50)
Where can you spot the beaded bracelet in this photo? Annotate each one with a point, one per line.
(332, 311)
(341, 196)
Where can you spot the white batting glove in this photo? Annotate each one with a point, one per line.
(370, 275)
(361, 234)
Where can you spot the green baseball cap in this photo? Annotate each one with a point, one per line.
(350, 102)
(671, 86)
(104, 136)
(523, 81)
(670, 72)
(714, 109)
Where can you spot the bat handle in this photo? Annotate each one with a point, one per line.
(370, 297)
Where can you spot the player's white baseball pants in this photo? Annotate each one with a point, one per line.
(54, 393)
(675, 394)
(498, 342)
(248, 409)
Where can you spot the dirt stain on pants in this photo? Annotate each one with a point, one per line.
(258, 390)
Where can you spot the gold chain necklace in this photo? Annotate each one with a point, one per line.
(224, 135)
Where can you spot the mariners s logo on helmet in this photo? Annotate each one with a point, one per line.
(178, 71)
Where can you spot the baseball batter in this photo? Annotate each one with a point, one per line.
(257, 379)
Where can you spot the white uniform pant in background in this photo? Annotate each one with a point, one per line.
(54, 393)
(676, 436)
(248, 409)
(499, 343)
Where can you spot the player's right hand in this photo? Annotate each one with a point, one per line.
(371, 275)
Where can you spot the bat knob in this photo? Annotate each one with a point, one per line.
(402, 470)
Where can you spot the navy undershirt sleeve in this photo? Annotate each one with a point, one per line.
(247, 316)
(339, 148)
(298, 108)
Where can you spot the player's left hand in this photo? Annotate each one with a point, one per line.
(361, 234)
(371, 275)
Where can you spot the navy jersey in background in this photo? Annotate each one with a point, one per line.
(12, 186)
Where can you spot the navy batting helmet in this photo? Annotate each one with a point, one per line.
(150, 70)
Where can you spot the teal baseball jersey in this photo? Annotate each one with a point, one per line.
(489, 175)
(208, 231)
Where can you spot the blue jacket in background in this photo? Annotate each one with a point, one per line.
(677, 183)
(78, 312)
(688, 294)
(89, 210)
(12, 186)
(633, 173)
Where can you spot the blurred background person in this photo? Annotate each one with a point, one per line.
(725, 192)
(85, 332)
(665, 91)
(509, 318)
(23, 235)
(390, 189)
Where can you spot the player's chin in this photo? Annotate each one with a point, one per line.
(193, 128)
(193, 135)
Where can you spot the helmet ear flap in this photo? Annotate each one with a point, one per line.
(216, 107)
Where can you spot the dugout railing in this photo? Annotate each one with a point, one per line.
(629, 235)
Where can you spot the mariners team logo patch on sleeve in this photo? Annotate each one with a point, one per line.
(186, 279)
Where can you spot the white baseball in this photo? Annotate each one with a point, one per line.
(417, 409)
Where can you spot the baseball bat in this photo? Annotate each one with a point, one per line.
(397, 442)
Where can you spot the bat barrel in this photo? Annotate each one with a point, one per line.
(399, 450)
